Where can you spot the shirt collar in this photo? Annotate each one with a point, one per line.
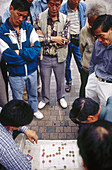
(48, 17)
(10, 26)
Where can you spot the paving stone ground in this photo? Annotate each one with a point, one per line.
(56, 124)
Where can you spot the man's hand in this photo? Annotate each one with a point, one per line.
(32, 44)
(39, 32)
(59, 40)
(31, 135)
(17, 52)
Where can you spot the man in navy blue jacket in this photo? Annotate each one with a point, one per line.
(19, 47)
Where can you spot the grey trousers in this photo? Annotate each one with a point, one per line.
(46, 66)
(3, 96)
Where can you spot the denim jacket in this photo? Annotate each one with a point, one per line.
(81, 9)
(37, 7)
(106, 111)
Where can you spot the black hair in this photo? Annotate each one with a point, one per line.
(103, 21)
(95, 145)
(16, 113)
(21, 5)
(48, 1)
(82, 108)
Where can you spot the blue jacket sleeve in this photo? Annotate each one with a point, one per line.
(11, 57)
(30, 54)
(63, 8)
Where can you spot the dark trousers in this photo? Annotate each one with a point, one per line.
(3, 94)
(84, 78)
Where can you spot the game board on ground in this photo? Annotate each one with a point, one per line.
(58, 155)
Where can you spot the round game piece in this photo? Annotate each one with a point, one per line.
(29, 151)
(65, 167)
(43, 161)
(43, 155)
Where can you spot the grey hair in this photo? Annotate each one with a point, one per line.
(96, 7)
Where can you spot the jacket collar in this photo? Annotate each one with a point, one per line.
(7, 26)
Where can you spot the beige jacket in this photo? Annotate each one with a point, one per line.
(62, 52)
(86, 46)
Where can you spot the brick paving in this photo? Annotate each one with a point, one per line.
(56, 124)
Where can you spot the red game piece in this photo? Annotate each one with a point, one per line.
(43, 154)
(49, 161)
(43, 161)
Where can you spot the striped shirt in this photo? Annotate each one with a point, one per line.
(10, 155)
(74, 21)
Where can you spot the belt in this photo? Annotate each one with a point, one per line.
(74, 35)
(51, 56)
(100, 79)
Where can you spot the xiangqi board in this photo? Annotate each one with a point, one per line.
(59, 156)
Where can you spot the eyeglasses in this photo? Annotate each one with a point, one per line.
(99, 36)
(20, 15)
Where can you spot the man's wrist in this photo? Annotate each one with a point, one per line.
(17, 52)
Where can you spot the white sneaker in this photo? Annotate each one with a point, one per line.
(63, 103)
(38, 115)
(41, 105)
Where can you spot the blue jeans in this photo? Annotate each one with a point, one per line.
(77, 56)
(18, 83)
